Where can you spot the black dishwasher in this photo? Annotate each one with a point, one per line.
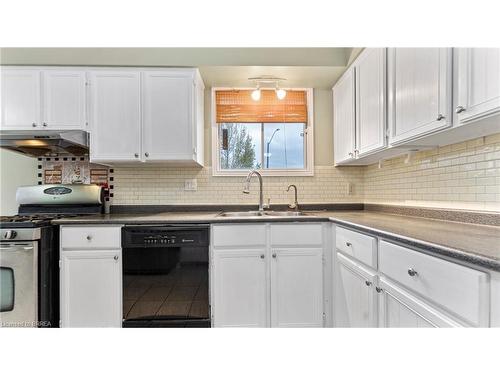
(165, 276)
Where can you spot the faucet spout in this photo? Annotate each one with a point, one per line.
(246, 188)
(295, 204)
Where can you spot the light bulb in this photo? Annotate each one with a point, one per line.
(256, 94)
(280, 93)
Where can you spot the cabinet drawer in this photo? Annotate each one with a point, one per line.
(91, 237)
(357, 245)
(296, 234)
(461, 290)
(239, 235)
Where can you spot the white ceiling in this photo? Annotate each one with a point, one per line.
(296, 76)
(302, 67)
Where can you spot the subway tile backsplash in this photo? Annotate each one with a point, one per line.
(462, 176)
(162, 185)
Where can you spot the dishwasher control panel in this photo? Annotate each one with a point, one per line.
(164, 236)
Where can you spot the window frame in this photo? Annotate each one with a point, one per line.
(308, 170)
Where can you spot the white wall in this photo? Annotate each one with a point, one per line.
(15, 170)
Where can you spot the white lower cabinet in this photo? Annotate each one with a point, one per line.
(240, 285)
(399, 309)
(297, 287)
(356, 298)
(407, 288)
(90, 278)
(269, 283)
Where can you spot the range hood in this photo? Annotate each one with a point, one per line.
(43, 143)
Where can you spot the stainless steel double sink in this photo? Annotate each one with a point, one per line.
(262, 213)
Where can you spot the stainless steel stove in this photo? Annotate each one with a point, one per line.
(29, 221)
(29, 251)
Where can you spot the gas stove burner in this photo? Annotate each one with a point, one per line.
(30, 220)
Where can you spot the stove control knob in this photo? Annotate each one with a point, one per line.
(10, 234)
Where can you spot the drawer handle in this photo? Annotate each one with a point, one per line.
(368, 283)
(89, 237)
(274, 255)
(115, 257)
(262, 256)
(412, 272)
(378, 289)
(348, 244)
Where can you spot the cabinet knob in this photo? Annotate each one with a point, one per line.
(459, 109)
(262, 256)
(368, 283)
(44, 124)
(136, 155)
(89, 237)
(115, 257)
(274, 255)
(440, 117)
(146, 154)
(379, 289)
(351, 154)
(348, 244)
(34, 125)
(412, 272)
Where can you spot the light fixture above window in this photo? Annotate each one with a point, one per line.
(269, 81)
(256, 94)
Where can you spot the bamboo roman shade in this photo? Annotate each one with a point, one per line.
(238, 106)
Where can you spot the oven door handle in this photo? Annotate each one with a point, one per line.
(17, 248)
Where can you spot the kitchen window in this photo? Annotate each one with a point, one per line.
(272, 135)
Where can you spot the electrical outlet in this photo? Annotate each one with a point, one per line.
(350, 188)
(191, 184)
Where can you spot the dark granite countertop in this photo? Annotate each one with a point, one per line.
(472, 243)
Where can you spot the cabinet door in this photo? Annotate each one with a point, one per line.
(344, 118)
(115, 109)
(370, 101)
(297, 287)
(168, 102)
(478, 83)
(20, 104)
(91, 294)
(398, 308)
(355, 295)
(419, 92)
(64, 99)
(240, 291)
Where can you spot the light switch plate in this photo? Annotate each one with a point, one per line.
(191, 184)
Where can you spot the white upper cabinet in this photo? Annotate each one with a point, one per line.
(43, 99)
(478, 89)
(344, 118)
(420, 83)
(147, 116)
(115, 109)
(170, 115)
(20, 99)
(371, 125)
(64, 99)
